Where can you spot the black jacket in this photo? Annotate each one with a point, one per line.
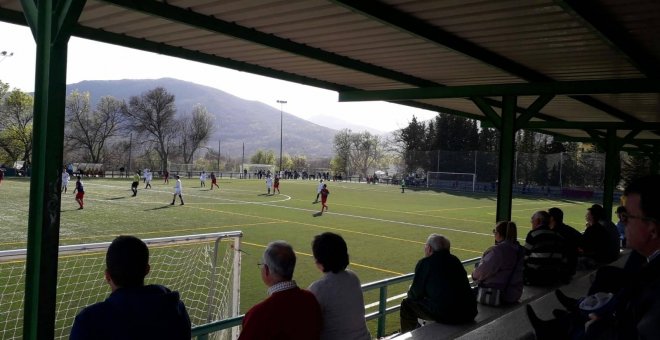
(638, 312)
(441, 282)
(148, 312)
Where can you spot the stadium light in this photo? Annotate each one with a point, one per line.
(281, 102)
(4, 55)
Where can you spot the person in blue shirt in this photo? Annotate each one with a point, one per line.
(133, 310)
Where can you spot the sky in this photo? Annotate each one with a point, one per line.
(90, 60)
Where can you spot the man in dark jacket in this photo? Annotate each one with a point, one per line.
(545, 252)
(573, 240)
(440, 290)
(634, 311)
(133, 310)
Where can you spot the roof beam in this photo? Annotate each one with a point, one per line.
(602, 23)
(154, 47)
(178, 14)
(406, 22)
(533, 109)
(519, 89)
(215, 25)
(592, 125)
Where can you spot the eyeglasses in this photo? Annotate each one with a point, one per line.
(626, 216)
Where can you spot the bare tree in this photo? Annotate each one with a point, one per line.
(91, 130)
(356, 152)
(195, 131)
(16, 114)
(152, 116)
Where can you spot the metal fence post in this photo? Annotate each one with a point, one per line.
(382, 307)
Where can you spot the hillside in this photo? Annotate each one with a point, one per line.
(237, 120)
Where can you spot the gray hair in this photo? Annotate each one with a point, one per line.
(438, 242)
(542, 216)
(280, 259)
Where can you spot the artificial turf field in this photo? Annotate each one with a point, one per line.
(385, 230)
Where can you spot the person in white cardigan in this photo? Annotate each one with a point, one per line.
(338, 292)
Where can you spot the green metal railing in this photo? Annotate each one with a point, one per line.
(201, 332)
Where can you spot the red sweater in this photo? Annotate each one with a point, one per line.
(293, 314)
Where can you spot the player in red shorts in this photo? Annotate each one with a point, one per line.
(80, 192)
(276, 186)
(324, 197)
(214, 181)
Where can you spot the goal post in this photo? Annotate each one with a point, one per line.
(451, 180)
(204, 268)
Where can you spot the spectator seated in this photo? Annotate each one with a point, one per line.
(507, 321)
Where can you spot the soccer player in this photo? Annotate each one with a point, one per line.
(269, 184)
(65, 180)
(276, 185)
(136, 182)
(177, 190)
(324, 198)
(202, 179)
(148, 177)
(214, 181)
(318, 191)
(2, 175)
(81, 192)
(167, 177)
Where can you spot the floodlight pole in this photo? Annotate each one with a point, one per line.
(130, 149)
(281, 102)
(5, 54)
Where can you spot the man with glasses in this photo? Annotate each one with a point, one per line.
(634, 311)
(288, 312)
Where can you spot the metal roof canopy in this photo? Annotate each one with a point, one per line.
(576, 69)
(367, 46)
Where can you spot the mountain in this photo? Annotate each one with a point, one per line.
(237, 120)
(338, 124)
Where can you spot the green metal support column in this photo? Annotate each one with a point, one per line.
(507, 143)
(655, 161)
(51, 22)
(612, 169)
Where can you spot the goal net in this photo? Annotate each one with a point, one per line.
(451, 180)
(205, 270)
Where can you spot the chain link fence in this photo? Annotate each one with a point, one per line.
(569, 174)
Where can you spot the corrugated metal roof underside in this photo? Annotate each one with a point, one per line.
(331, 43)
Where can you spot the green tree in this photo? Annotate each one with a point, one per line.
(298, 162)
(356, 152)
(263, 157)
(16, 114)
(412, 140)
(342, 146)
(365, 152)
